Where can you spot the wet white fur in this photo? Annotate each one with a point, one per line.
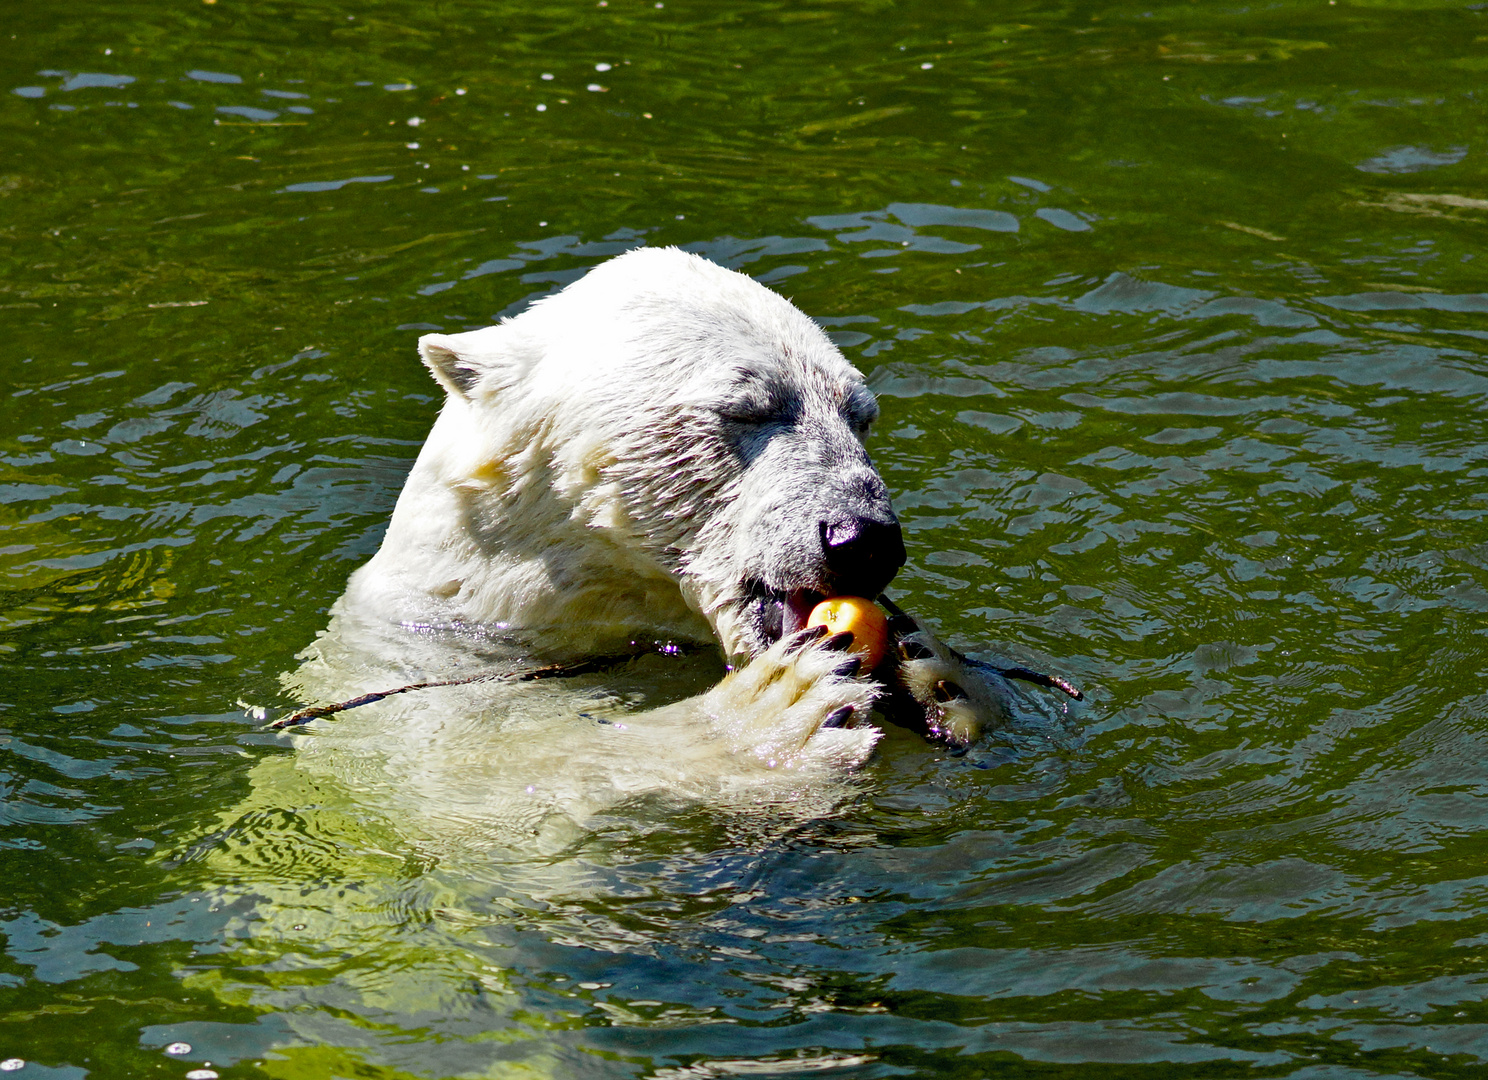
(575, 486)
(584, 487)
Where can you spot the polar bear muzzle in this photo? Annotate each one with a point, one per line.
(863, 554)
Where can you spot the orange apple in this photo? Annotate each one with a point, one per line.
(862, 618)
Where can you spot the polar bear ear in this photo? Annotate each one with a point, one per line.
(458, 361)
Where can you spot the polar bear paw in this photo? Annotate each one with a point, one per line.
(801, 704)
(934, 689)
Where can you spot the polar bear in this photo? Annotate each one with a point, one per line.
(665, 452)
(664, 448)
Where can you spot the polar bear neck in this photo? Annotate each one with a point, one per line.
(524, 528)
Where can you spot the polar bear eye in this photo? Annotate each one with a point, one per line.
(860, 410)
(757, 410)
(744, 414)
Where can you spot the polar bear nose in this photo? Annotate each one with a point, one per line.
(863, 554)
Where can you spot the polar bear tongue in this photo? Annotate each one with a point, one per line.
(794, 611)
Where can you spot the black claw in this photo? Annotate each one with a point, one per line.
(903, 624)
(839, 718)
(914, 650)
(804, 638)
(838, 642)
(849, 668)
(945, 690)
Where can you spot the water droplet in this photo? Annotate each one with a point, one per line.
(178, 1048)
(542, 108)
(601, 67)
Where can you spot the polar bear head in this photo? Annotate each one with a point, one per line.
(665, 446)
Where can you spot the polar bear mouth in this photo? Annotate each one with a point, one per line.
(777, 613)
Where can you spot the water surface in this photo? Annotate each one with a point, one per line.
(1177, 320)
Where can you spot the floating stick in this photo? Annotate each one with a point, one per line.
(550, 671)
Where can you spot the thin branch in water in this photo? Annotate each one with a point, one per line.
(549, 671)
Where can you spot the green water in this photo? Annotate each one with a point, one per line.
(1177, 320)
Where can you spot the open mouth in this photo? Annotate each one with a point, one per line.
(778, 613)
